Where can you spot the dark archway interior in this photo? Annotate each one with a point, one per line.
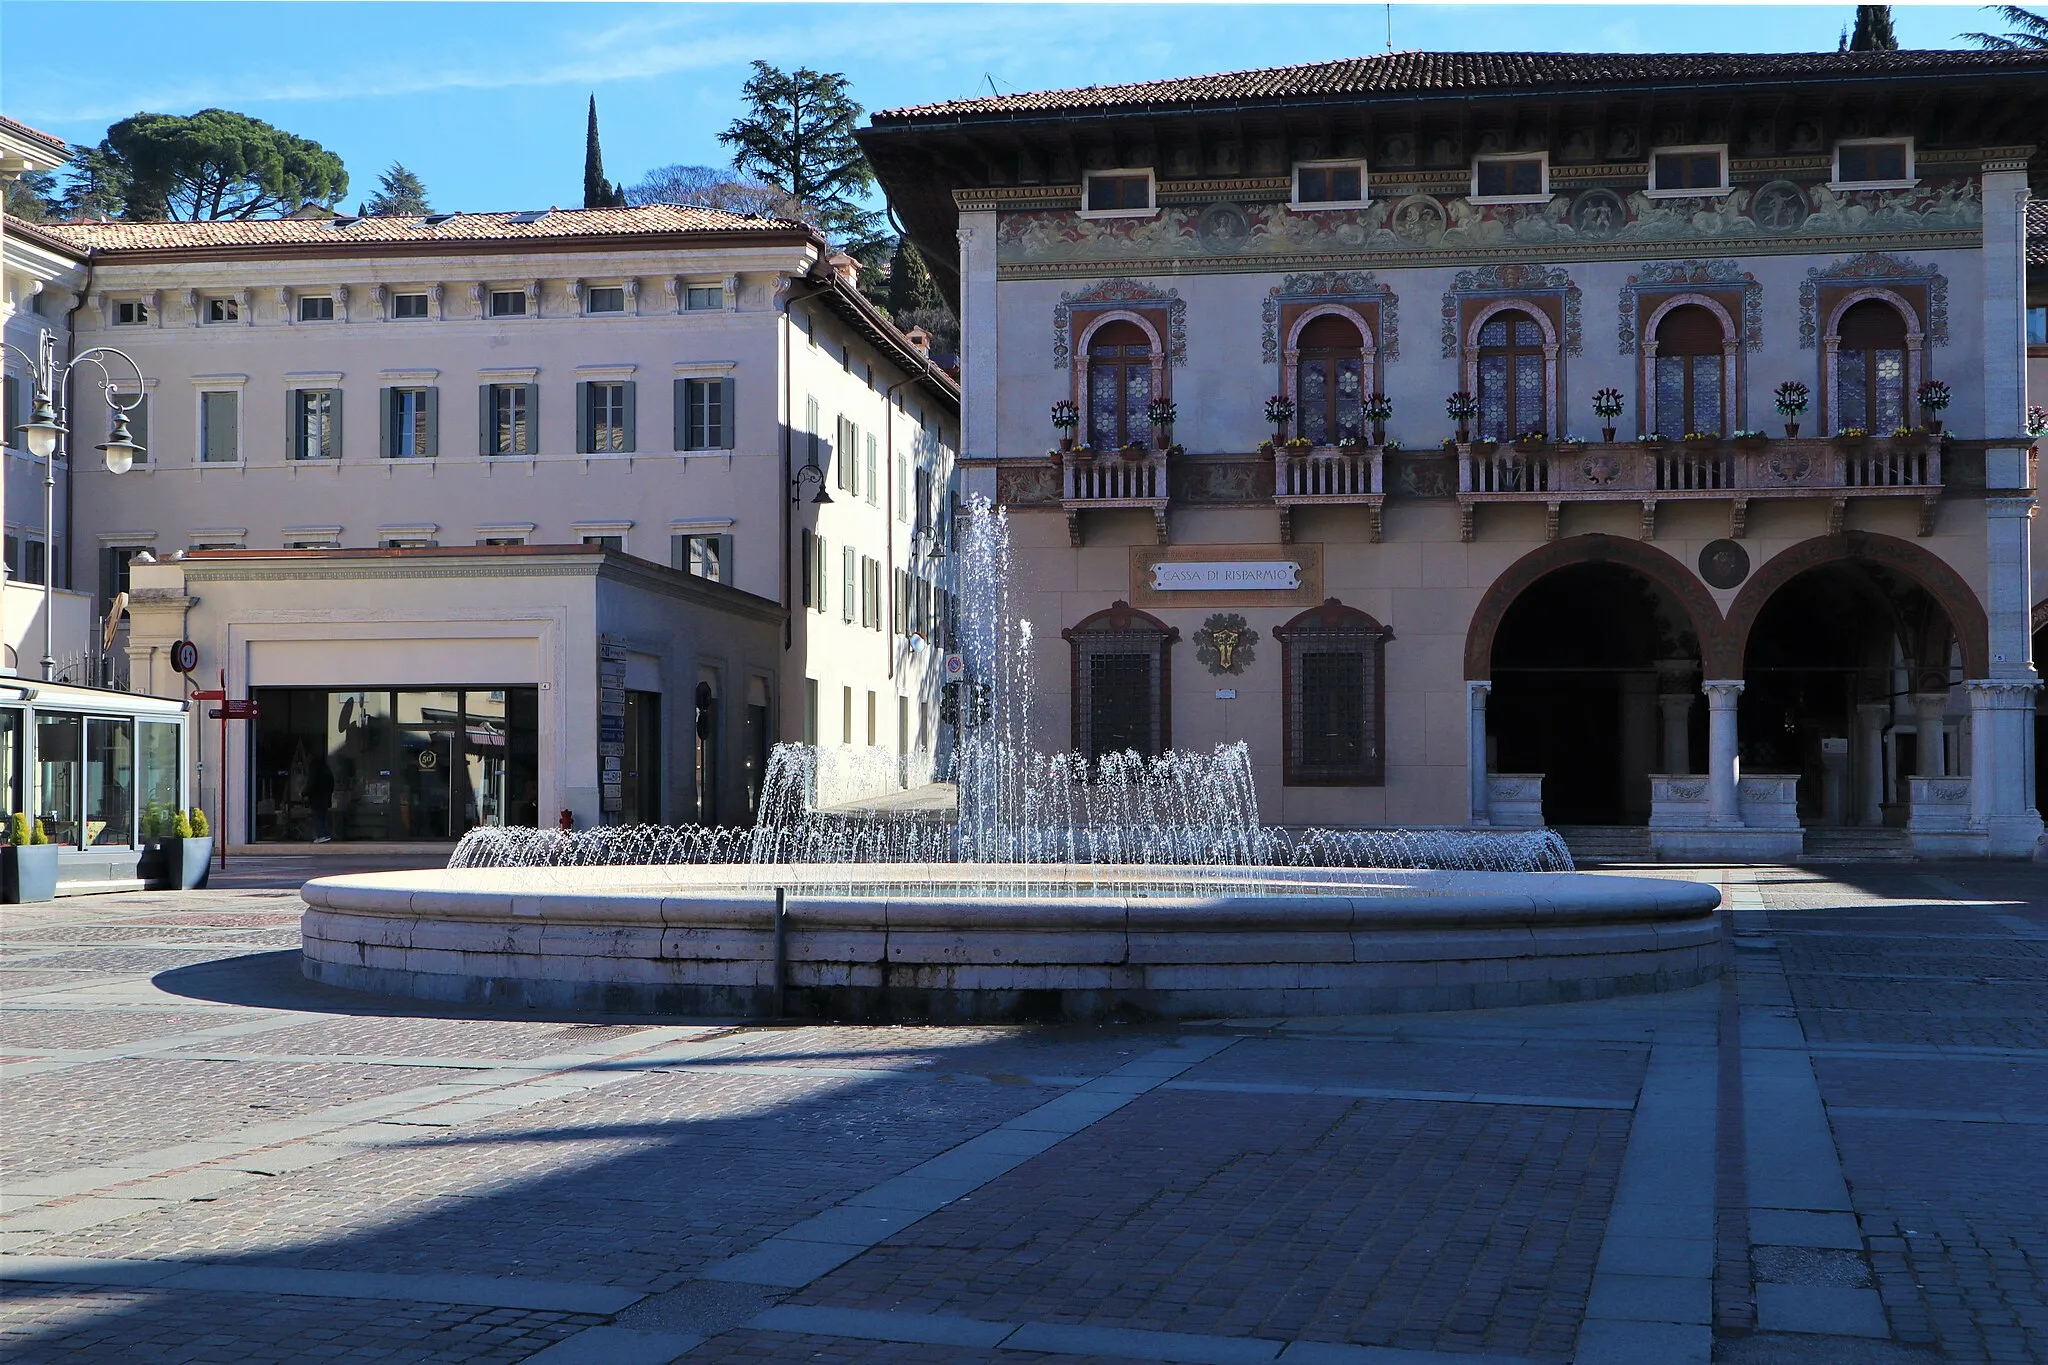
(1576, 678)
(2041, 724)
(1834, 638)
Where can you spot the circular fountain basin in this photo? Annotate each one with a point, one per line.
(993, 942)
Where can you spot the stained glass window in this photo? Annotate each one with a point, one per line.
(1690, 361)
(1870, 368)
(1511, 377)
(1119, 386)
(1329, 398)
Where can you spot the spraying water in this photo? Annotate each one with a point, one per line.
(1046, 818)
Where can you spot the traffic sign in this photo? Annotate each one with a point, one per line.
(956, 668)
(184, 656)
(210, 694)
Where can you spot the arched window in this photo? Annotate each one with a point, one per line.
(1510, 377)
(1119, 385)
(1329, 381)
(1870, 368)
(1121, 683)
(1333, 687)
(1690, 371)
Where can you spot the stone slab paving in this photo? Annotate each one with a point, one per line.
(1834, 1155)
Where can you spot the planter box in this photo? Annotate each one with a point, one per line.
(187, 863)
(28, 873)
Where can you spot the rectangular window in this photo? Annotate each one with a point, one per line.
(1510, 177)
(510, 420)
(1885, 161)
(1118, 192)
(707, 414)
(131, 312)
(220, 436)
(1689, 170)
(616, 544)
(316, 308)
(502, 540)
(114, 573)
(704, 298)
(508, 303)
(312, 545)
(849, 569)
(610, 298)
(2037, 325)
(407, 543)
(316, 424)
(1329, 182)
(604, 429)
(708, 557)
(408, 306)
(411, 435)
(222, 310)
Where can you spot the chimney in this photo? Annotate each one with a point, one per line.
(920, 341)
(845, 267)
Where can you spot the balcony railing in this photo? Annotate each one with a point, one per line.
(1651, 472)
(1328, 476)
(1111, 479)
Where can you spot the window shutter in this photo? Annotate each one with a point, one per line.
(811, 421)
(532, 419)
(334, 420)
(385, 399)
(727, 418)
(804, 548)
(138, 427)
(632, 416)
(484, 434)
(847, 567)
(682, 422)
(294, 425)
(583, 442)
(818, 544)
(725, 574)
(433, 421)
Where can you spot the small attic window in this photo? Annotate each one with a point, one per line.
(530, 216)
(344, 222)
(435, 219)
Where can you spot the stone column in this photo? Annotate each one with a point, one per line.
(1475, 748)
(1677, 709)
(1930, 706)
(977, 233)
(2001, 737)
(1870, 719)
(1638, 742)
(1724, 765)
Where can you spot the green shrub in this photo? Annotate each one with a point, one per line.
(41, 836)
(152, 821)
(181, 827)
(200, 829)
(18, 831)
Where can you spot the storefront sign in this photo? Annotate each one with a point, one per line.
(1227, 576)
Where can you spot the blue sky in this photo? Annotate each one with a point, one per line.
(486, 101)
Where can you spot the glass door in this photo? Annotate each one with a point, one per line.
(110, 782)
(59, 740)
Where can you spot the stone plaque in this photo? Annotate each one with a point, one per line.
(1723, 563)
(1231, 575)
(1211, 576)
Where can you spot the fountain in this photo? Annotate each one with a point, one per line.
(1059, 888)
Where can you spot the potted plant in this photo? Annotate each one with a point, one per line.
(1792, 398)
(1573, 442)
(1532, 441)
(2037, 420)
(1065, 417)
(1135, 451)
(1378, 410)
(1650, 438)
(1607, 405)
(1160, 411)
(1851, 437)
(1391, 447)
(1462, 407)
(28, 865)
(1934, 396)
(1703, 438)
(188, 849)
(1279, 412)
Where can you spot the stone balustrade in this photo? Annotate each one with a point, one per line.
(1329, 476)
(1767, 805)
(1515, 800)
(1110, 479)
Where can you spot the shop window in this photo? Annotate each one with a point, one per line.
(1511, 377)
(1691, 372)
(59, 748)
(1121, 683)
(109, 782)
(1334, 693)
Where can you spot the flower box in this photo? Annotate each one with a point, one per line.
(28, 872)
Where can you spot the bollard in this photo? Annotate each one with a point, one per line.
(781, 951)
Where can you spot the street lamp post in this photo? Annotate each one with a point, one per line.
(47, 435)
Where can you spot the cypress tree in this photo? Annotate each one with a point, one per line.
(597, 193)
(1873, 30)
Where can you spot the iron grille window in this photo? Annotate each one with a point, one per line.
(1335, 697)
(1121, 683)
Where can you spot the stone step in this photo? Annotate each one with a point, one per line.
(1606, 843)
(1857, 846)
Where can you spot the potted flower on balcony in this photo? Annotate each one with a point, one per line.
(1299, 445)
(1065, 417)
(1573, 442)
(1651, 438)
(1379, 409)
(1279, 412)
(1851, 438)
(1607, 405)
(1792, 398)
(1703, 438)
(28, 863)
(2037, 421)
(1934, 396)
(1135, 451)
(1532, 441)
(1160, 411)
(1462, 407)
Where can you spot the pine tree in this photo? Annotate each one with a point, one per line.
(1873, 31)
(400, 194)
(797, 135)
(2028, 32)
(910, 284)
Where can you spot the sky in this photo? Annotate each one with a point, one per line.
(486, 101)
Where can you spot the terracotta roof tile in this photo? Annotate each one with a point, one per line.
(54, 144)
(461, 227)
(1405, 73)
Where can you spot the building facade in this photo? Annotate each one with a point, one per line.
(369, 431)
(1427, 432)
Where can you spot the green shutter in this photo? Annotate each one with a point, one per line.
(632, 417)
(294, 429)
(583, 441)
(727, 418)
(804, 550)
(725, 566)
(334, 420)
(385, 401)
(138, 427)
(433, 421)
(532, 419)
(484, 444)
(682, 414)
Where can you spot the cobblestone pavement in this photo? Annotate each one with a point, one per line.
(1836, 1154)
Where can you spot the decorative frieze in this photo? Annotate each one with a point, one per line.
(1352, 287)
(1076, 310)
